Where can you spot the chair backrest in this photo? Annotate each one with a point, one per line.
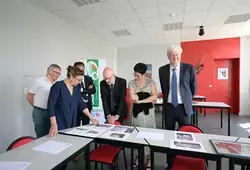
(128, 103)
(20, 141)
(190, 128)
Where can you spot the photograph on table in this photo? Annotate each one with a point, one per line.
(184, 136)
(191, 146)
(116, 135)
(122, 129)
(104, 126)
(79, 131)
(232, 148)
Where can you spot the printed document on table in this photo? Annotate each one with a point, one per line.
(184, 145)
(151, 136)
(7, 165)
(52, 147)
(184, 136)
(116, 135)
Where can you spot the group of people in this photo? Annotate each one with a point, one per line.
(64, 104)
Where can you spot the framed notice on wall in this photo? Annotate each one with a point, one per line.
(149, 70)
(222, 73)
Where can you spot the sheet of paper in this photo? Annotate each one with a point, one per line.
(151, 136)
(79, 131)
(184, 136)
(6, 165)
(95, 132)
(52, 147)
(184, 145)
(116, 135)
(122, 129)
(245, 125)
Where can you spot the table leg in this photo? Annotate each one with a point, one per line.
(132, 159)
(141, 159)
(218, 164)
(231, 164)
(86, 155)
(196, 117)
(229, 130)
(152, 159)
(221, 118)
(162, 119)
(204, 108)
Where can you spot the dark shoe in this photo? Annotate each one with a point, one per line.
(168, 168)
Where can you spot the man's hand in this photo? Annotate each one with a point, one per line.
(90, 86)
(111, 119)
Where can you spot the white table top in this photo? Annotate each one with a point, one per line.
(211, 104)
(42, 160)
(201, 138)
(199, 97)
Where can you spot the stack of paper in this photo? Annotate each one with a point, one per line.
(186, 141)
(4, 165)
(52, 147)
(118, 132)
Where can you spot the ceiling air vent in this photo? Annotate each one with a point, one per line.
(120, 33)
(172, 26)
(237, 18)
(86, 2)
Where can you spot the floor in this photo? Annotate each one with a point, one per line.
(209, 124)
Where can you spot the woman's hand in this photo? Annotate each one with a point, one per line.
(94, 121)
(53, 131)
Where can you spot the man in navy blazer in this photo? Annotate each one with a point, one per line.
(178, 84)
(87, 88)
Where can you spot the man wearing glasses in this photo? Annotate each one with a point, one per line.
(38, 97)
(113, 94)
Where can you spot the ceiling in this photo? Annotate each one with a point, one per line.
(144, 19)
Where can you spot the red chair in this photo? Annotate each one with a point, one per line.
(107, 154)
(20, 142)
(188, 163)
(128, 104)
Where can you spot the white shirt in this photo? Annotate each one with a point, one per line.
(41, 89)
(177, 71)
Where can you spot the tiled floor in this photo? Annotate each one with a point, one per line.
(209, 124)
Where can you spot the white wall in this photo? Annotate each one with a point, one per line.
(127, 57)
(244, 76)
(30, 40)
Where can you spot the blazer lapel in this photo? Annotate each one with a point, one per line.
(168, 76)
(116, 85)
(182, 73)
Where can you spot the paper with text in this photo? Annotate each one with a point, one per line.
(151, 136)
(6, 165)
(52, 147)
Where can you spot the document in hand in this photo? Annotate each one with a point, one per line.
(52, 147)
(6, 165)
(231, 148)
(184, 145)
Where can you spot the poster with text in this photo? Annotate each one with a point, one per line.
(149, 70)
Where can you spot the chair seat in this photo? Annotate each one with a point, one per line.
(187, 163)
(104, 154)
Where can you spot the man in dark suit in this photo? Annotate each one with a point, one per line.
(178, 84)
(113, 94)
(87, 89)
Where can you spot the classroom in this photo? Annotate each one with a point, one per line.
(160, 84)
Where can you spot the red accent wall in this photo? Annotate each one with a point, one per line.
(219, 53)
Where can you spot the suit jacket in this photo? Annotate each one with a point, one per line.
(88, 81)
(120, 89)
(188, 85)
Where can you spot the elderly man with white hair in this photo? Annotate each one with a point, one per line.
(178, 84)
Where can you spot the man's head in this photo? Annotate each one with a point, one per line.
(174, 55)
(54, 71)
(80, 65)
(108, 75)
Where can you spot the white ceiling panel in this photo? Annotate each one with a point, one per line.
(140, 4)
(189, 34)
(114, 6)
(198, 5)
(61, 4)
(167, 2)
(148, 12)
(225, 3)
(173, 36)
(88, 23)
(245, 1)
(242, 9)
(194, 18)
(127, 16)
(150, 22)
(168, 19)
(173, 8)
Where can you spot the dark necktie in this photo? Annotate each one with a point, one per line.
(112, 104)
(174, 89)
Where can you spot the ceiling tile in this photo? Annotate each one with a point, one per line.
(62, 4)
(224, 3)
(199, 16)
(140, 4)
(168, 2)
(173, 36)
(173, 8)
(189, 34)
(150, 22)
(242, 9)
(198, 5)
(168, 19)
(88, 23)
(127, 16)
(114, 6)
(148, 12)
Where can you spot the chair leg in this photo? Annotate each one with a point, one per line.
(102, 166)
(95, 165)
(125, 161)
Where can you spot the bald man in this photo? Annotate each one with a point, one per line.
(113, 94)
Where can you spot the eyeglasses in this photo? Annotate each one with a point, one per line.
(79, 80)
(56, 72)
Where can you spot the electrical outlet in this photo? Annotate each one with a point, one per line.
(25, 91)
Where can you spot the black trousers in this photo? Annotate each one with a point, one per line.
(82, 117)
(173, 115)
